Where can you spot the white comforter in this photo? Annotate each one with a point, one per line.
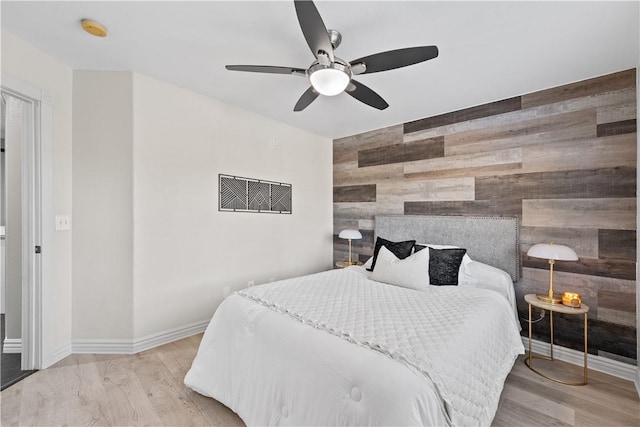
(284, 353)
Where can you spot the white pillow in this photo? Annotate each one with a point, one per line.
(411, 272)
(367, 264)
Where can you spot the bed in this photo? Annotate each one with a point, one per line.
(338, 348)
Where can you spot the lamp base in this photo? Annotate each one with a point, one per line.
(349, 262)
(545, 298)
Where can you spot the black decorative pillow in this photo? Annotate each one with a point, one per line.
(444, 265)
(418, 248)
(399, 249)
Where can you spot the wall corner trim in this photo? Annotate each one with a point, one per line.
(597, 363)
(124, 346)
(57, 356)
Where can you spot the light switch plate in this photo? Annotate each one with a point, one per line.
(63, 222)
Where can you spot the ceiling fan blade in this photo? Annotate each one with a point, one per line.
(313, 28)
(307, 98)
(363, 94)
(398, 58)
(266, 69)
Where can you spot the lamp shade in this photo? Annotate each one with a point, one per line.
(350, 234)
(552, 251)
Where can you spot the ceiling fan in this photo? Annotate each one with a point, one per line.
(330, 75)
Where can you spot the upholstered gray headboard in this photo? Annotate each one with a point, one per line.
(491, 240)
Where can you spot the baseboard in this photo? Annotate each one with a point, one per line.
(107, 346)
(12, 345)
(101, 346)
(597, 363)
(164, 337)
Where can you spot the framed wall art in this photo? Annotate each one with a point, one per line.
(239, 194)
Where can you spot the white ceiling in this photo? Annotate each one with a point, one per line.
(488, 50)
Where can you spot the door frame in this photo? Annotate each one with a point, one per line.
(37, 203)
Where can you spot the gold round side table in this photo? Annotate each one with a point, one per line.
(533, 301)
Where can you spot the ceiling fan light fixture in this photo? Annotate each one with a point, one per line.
(329, 80)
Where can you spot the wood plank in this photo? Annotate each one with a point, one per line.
(366, 210)
(593, 152)
(165, 396)
(582, 240)
(619, 317)
(355, 193)
(621, 301)
(366, 224)
(617, 128)
(624, 98)
(125, 394)
(369, 175)
(11, 404)
(465, 165)
(431, 190)
(584, 183)
(615, 268)
(506, 208)
(617, 113)
(484, 110)
(558, 413)
(346, 149)
(612, 213)
(561, 127)
(588, 402)
(514, 413)
(490, 170)
(617, 244)
(606, 83)
(399, 153)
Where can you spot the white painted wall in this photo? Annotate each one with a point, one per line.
(185, 251)
(151, 251)
(102, 205)
(22, 61)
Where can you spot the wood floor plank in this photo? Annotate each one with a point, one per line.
(126, 396)
(58, 396)
(10, 403)
(541, 404)
(165, 393)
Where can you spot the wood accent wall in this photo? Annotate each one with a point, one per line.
(562, 160)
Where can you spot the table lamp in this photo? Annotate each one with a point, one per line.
(350, 234)
(553, 253)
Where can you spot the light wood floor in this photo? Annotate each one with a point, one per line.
(147, 389)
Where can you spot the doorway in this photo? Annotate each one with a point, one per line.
(20, 231)
(16, 133)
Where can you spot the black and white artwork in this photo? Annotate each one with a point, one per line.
(238, 194)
